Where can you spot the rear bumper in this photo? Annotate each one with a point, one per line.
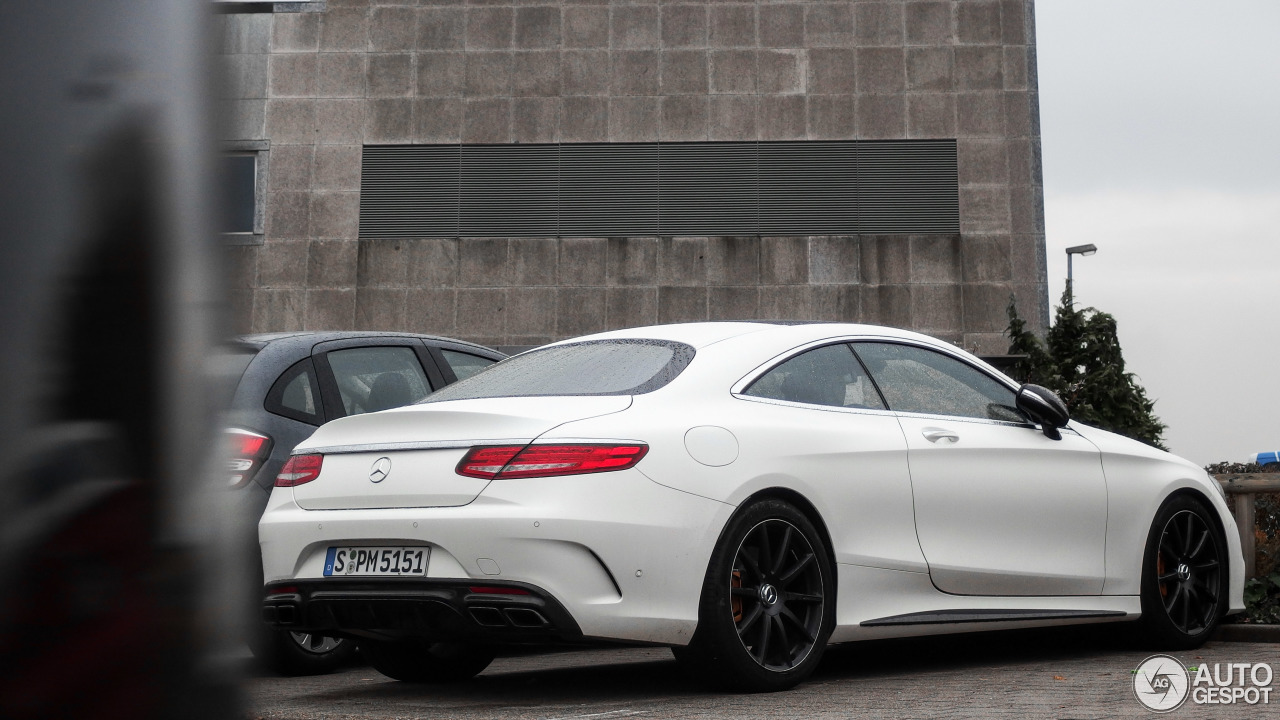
(622, 556)
(436, 609)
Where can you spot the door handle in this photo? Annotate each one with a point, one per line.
(936, 434)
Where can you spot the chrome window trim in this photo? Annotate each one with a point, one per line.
(941, 347)
(810, 406)
(739, 387)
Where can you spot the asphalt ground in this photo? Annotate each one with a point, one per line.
(1057, 673)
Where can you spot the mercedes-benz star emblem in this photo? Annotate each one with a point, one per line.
(380, 470)
(768, 594)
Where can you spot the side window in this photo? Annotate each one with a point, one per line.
(377, 378)
(296, 395)
(828, 375)
(465, 364)
(914, 379)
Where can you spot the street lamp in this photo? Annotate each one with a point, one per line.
(1077, 250)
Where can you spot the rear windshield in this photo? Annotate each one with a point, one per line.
(598, 367)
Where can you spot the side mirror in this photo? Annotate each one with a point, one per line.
(1043, 407)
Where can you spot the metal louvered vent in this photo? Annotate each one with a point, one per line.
(630, 189)
(608, 190)
(409, 191)
(808, 188)
(708, 189)
(509, 194)
(908, 187)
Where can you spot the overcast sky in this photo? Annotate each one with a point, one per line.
(1161, 135)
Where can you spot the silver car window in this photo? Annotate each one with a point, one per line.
(914, 379)
(828, 375)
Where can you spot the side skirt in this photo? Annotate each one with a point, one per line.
(945, 617)
(877, 603)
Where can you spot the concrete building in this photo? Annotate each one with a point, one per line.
(407, 99)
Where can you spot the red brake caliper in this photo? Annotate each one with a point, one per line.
(737, 601)
(1164, 590)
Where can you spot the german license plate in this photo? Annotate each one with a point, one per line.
(376, 561)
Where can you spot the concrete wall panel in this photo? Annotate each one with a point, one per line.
(317, 86)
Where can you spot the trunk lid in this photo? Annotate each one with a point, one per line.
(405, 458)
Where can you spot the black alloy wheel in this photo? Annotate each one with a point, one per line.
(1187, 571)
(290, 653)
(776, 588)
(768, 602)
(315, 642)
(1184, 576)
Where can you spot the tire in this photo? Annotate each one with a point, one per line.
(1184, 576)
(427, 662)
(768, 603)
(295, 653)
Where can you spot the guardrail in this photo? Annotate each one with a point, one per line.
(1242, 487)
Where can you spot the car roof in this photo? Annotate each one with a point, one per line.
(261, 340)
(703, 334)
(730, 339)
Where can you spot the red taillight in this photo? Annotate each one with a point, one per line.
(300, 469)
(249, 444)
(282, 590)
(515, 461)
(487, 462)
(246, 451)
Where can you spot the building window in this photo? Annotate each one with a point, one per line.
(243, 170)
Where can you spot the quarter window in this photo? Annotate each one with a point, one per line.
(465, 365)
(295, 394)
(828, 375)
(917, 380)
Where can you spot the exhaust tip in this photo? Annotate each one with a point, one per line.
(526, 618)
(488, 616)
(286, 615)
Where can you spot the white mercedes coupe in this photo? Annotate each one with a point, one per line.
(745, 493)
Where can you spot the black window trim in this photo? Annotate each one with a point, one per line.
(274, 401)
(450, 377)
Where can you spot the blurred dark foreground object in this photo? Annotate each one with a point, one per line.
(108, 299)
